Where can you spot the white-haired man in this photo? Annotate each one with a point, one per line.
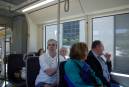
(63, 52)
(48, 75)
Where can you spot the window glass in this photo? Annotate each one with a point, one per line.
(103, 30)
(122, 43)
(70, 32)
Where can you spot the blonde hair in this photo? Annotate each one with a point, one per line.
(78, 51)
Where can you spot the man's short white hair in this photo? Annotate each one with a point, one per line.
(52, 41)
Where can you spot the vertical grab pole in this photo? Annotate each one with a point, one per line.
(58, 33)
(5, 77)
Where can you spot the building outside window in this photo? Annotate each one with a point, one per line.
(70, 33)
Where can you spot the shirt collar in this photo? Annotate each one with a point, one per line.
(95, 54)
(50, 56)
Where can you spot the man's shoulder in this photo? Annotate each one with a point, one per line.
(90, 55)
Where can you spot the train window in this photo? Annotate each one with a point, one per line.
(73, 31)
(70, 32)
(103, 29)
(122, 43)
(113, 31)
(51, 33)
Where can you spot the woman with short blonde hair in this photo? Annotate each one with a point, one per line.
(79, 51)
(77, 72)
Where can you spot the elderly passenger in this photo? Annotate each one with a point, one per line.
(101, 67)
(48, 75)
(63, 52)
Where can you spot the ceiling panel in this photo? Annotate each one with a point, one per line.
(88, 7)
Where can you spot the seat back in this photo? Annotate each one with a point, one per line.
(26, 56)
(62, 81)
(14, 63)
(33, 68)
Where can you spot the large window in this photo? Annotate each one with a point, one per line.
(51, 33)
(113, 31)
(122, 43)
(70, 32)
(103, 29)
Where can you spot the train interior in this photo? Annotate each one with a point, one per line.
(27, 25)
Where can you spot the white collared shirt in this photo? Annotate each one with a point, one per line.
(46, 61)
